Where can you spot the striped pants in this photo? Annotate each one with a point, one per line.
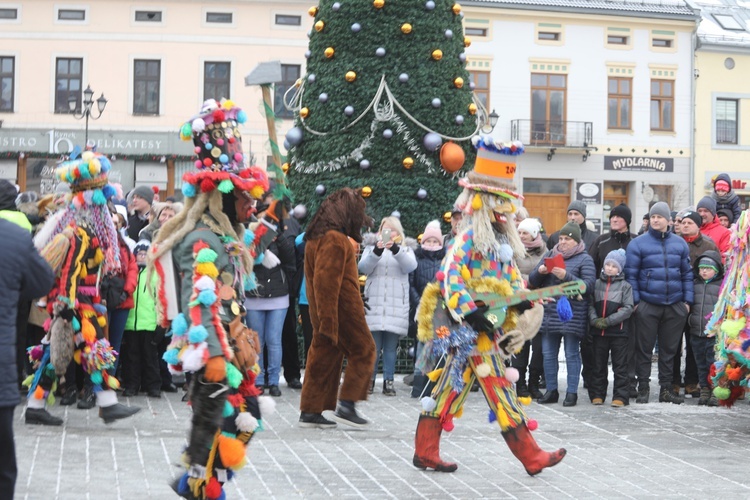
(499, 392)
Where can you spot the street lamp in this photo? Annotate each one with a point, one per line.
(88, 102)
(489, 125)
(494, 117)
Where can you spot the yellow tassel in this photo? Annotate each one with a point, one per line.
(467, 375)
(476, 202)
(207, 269)
(525, 400)
(113, 383)
(84, 272)
(484, 344)
(77, 356)
(435, 374)
(465, 273)
(256, 192)
(502, 418)
(427, 305)
(453, 301)
(459, 413)
(98, 256)
(102, 320)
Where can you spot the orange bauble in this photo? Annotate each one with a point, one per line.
(452, 157)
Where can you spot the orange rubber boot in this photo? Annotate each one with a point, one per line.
(525, 449)
(427, 444)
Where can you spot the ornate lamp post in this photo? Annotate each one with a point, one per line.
(88, 102)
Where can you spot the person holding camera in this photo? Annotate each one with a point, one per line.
(387, 261)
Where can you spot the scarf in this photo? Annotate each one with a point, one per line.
(579, 248)
(538, 242)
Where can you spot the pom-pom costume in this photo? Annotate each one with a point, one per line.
(728, 322)
(204, 260)
(453, 325)
(80, 244)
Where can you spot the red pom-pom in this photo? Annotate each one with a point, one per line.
(200, 245)
(208, 162)
(232, 140)
(207, 185)
(513, 148)
(213, 489)
(236, 400)
(245, 173)
(218, 116)
(440, 275)
(532, 425)
(94, 241)
(155, 189)
(448, 425)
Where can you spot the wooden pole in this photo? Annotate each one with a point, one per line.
(170, 177)
(266, 89)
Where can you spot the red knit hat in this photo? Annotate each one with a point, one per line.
(722, 184)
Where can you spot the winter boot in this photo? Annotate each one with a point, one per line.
(522, 389)
(40, 416)
(666, 395)
(388, 389)
(315, 420)
(69, 397)
(525, 449)
(705, 396)
(534, 391)
(346, 414)
(427, 446)
(551, 396)
(372, 387)
(110, 410)
(88, 400)
(713, 400)
(643, 394)
(693, 390)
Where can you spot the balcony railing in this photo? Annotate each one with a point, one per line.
(552, 134)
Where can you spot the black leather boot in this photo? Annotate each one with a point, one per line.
(570, 399)
(549, 397)
(40, 416)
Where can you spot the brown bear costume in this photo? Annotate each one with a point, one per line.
(337, 314)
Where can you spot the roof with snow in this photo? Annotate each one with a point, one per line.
(673, 9)
(724, 22)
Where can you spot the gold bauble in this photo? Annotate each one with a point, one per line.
(378, 4)
(304, 112)
(329, 52)
(285, 167)
(362, 279)
(419, 237)
(408, 162)
(366, 192)
(447, 216)
(406, 28)
(437, 54)
(350, 76)
(472, 108)
(298, 82)
(458, 82)
(319, 26)
(456, 9)
(313, 11)
(467, 41)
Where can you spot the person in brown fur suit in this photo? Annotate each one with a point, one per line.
(337, 314)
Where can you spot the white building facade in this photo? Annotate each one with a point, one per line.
(599, 92)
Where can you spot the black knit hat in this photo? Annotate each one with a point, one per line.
(693, 216)
(623, 211)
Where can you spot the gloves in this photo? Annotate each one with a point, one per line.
(216, 369)
(478, 322)
(512, 342)
(378, 251)
(394, 248)
(600, 323)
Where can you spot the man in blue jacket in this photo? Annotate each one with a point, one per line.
(25, 276)
(658, 268)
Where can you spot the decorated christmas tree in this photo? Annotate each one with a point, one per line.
(386, 106)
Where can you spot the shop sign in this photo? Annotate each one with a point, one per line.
(639, 163)
(57, 142)
(591, 194)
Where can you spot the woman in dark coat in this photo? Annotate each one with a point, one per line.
(578, 266)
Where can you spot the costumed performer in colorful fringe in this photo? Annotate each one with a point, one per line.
(454, 326)
(730, 319)
(204, 258)
(337, 314)
(80, 244)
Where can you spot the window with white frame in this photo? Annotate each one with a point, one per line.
(148, 16)
(68, 79)
(146, 86)
(8, 13)
(290, 73)
(216, 79)
(219, 17)
(71, 14)
(7, 83)
(726, 121)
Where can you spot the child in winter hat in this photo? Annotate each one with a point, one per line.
(432, 238)
(614, 262)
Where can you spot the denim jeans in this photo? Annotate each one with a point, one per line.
(116, 321)
(551, 349)
(388, 342)
(269, 325)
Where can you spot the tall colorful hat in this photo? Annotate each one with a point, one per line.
(494, 169)
(87, 176)
(220, 161)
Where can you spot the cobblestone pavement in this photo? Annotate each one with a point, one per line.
(657, 450)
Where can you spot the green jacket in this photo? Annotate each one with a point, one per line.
(142, 317)
(17, 218)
